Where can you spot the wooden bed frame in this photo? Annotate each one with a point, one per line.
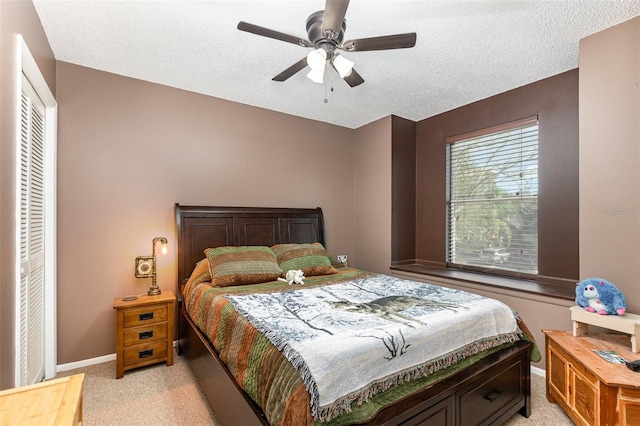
(487, 392)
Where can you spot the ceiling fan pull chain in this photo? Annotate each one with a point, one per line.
(326, 97)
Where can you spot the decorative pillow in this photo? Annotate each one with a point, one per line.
(311, 259)
(242, 265)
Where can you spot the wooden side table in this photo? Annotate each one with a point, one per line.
(54, 402)
(144, 331)
(591, 390)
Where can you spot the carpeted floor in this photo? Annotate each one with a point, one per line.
(543, 413)
(156, 395)
(159, 395)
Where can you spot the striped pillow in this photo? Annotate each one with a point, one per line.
(242, 265)
(311, 259)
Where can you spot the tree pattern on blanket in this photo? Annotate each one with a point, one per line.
(390, 307)
(395, 345)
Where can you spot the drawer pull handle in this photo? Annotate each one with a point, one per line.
(493, 396)
(145, 354)
(145, 335)
(146, 316)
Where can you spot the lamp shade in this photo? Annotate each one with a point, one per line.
(317, 59)
(316, 75)
(342, 65)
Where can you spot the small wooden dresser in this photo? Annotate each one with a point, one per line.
(54, 402)
(591, 390)
(144, 331)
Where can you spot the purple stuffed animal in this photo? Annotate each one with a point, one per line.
(601, 296)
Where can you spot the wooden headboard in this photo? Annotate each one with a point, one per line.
(200, 227)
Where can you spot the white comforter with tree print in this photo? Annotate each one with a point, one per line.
(355, 339)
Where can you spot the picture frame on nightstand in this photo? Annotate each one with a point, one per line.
(144, 267)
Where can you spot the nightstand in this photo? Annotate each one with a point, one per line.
(144, 331)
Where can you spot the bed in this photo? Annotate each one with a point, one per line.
(485, 387)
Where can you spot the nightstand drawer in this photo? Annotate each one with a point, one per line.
(146, 352)
(134, 317)
(145, 334)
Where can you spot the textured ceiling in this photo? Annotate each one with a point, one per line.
(465, 50)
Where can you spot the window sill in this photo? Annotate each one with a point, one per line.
(564, 292)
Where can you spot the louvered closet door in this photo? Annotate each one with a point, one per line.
(31, 327)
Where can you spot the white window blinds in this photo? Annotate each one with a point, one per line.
(492, 190)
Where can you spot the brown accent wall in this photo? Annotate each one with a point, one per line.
(403, 189)
(555, 101)
(128, 150)
(16, 17)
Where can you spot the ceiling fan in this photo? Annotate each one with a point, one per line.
(325, 29)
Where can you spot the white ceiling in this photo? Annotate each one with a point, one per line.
(465, 50)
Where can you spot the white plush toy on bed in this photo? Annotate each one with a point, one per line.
(293, 276)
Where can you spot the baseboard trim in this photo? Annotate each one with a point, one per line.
(538, 371)
(85, 362)
(91, 361)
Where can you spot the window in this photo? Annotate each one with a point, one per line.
(492, 199)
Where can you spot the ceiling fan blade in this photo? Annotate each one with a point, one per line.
(334, 12)
(291, 70)
(396, 41)
(266, 32)
(354, 79)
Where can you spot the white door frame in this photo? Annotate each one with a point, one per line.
(26, 65)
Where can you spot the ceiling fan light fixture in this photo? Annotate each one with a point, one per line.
(317, 75)
(342, 65)
(317, 59)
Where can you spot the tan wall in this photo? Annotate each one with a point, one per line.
(610, 158)
(16, 17)
(372, 196)
(128, 150)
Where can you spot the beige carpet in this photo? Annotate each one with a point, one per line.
(159, 395)
(543, 413)
(156, 395)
